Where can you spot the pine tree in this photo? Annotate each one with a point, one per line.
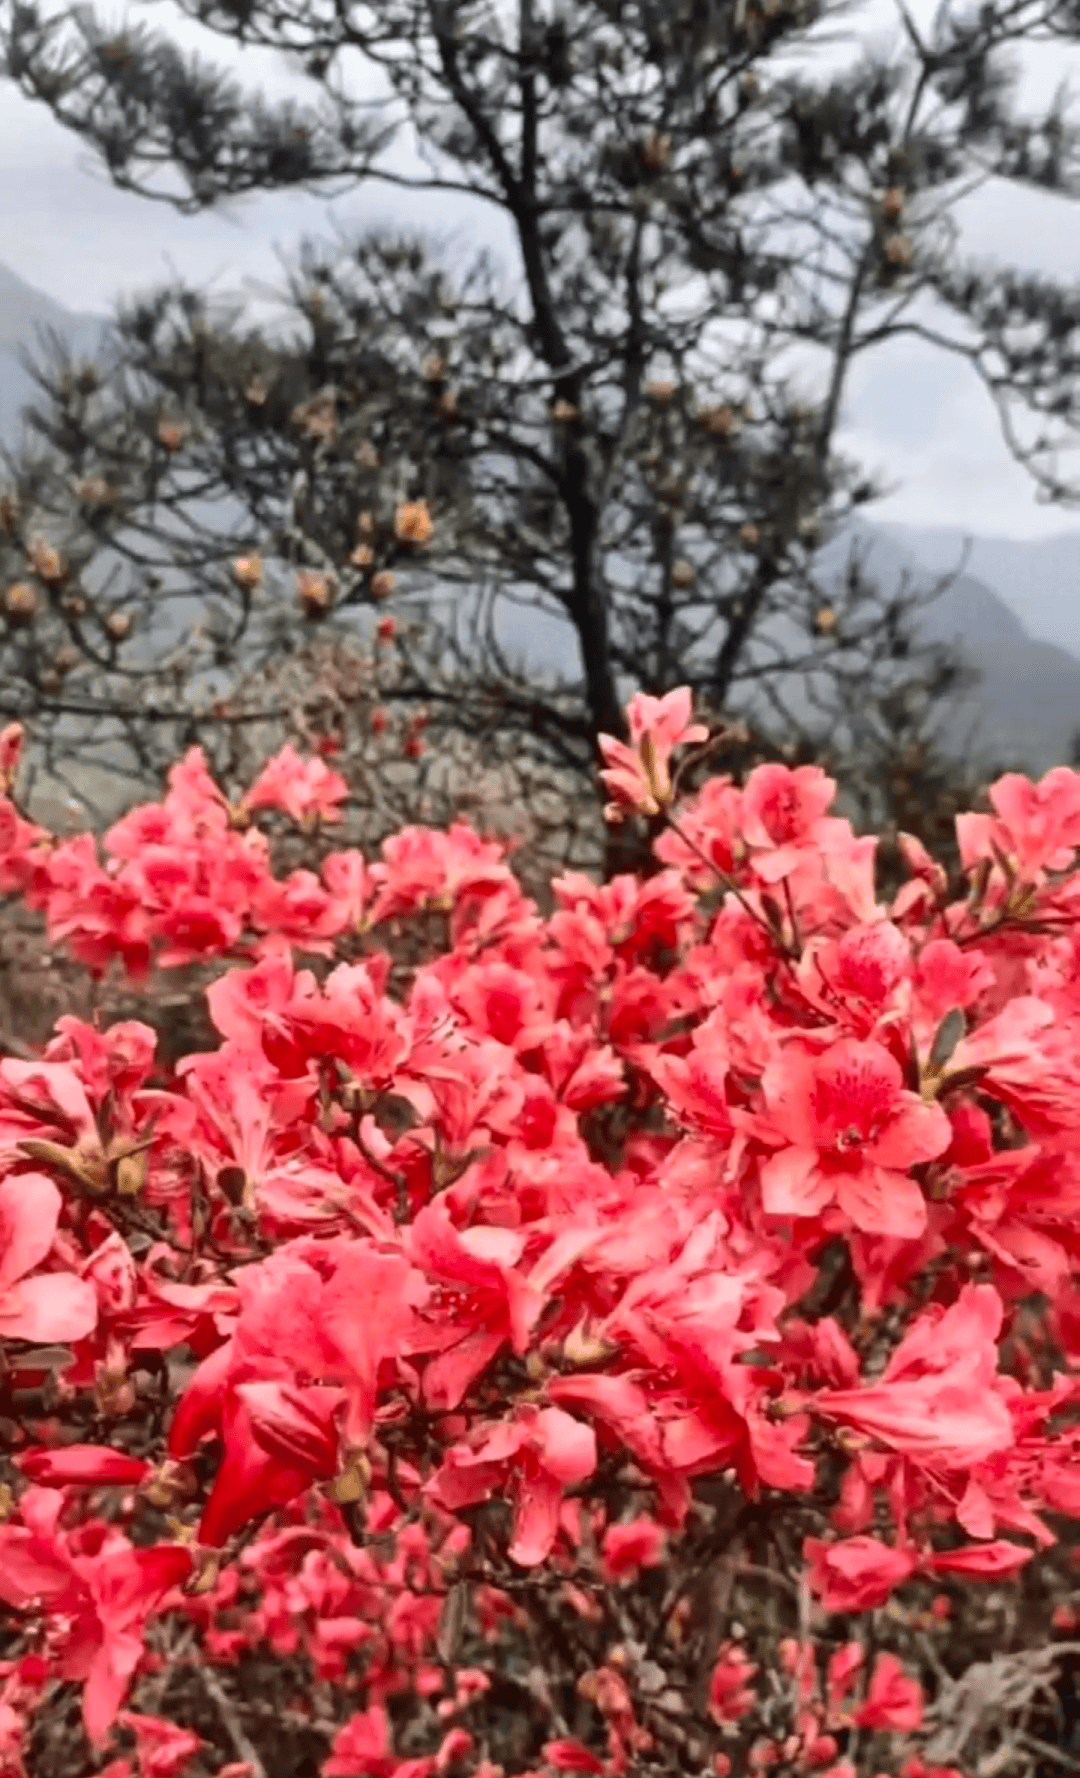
(617, 459)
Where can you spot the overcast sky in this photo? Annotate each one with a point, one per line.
(921, 419)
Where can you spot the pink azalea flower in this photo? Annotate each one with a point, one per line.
(783, 810)
(857, 1573)
(306, 789)
(638, 776)
(540, 1454)
(423, 868)
(361, 1749)
(568, 1755)
(1037, 825)
(893, 1700)
(82, 1466)
(163, 1748)
(730, 1693)
(349, 880)
(243, 1001)
(851, 1132)
(625, 1549)
(98, 1589)
(11, 746)
(196, 806)
(998, 1560)
(496, 1302)
(856, 978)
(937, 1400)
(51, 1305)
(252, 1479)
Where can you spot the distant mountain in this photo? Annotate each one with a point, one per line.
(1027, 707)
(25, 315)
(1038, 579)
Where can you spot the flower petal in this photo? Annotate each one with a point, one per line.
(52, 1306)
(792, 1183)
(29, 1211)
(880, 1202)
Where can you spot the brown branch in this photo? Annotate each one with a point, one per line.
(243, 1748)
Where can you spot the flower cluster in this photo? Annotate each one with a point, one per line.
(436, 1311)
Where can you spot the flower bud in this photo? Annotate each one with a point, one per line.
(317, 417)
(248, 571)
(314, 594)
(412, 522)
(20, 603)
(584, 1346)
(172, 433)
(46, 562)
(131, 1173)
(11, 746)
(169, 1483)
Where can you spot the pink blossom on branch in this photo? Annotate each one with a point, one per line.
(893, 1699)
(542, 1453)
(12, 737)
(101, 1590)
(638, 776)
(856, 1573)
(850, 1133)
(306, 789)
(37, 1306)
(938, 1400)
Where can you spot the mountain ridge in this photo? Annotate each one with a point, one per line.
(1028, 703)
(26, 317)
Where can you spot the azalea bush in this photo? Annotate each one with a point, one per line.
(342, 702)
(640, 1337)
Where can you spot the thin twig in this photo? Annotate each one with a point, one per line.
(772, 1575)
(732, 888)
(234, 1727)
(1034, 1745)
